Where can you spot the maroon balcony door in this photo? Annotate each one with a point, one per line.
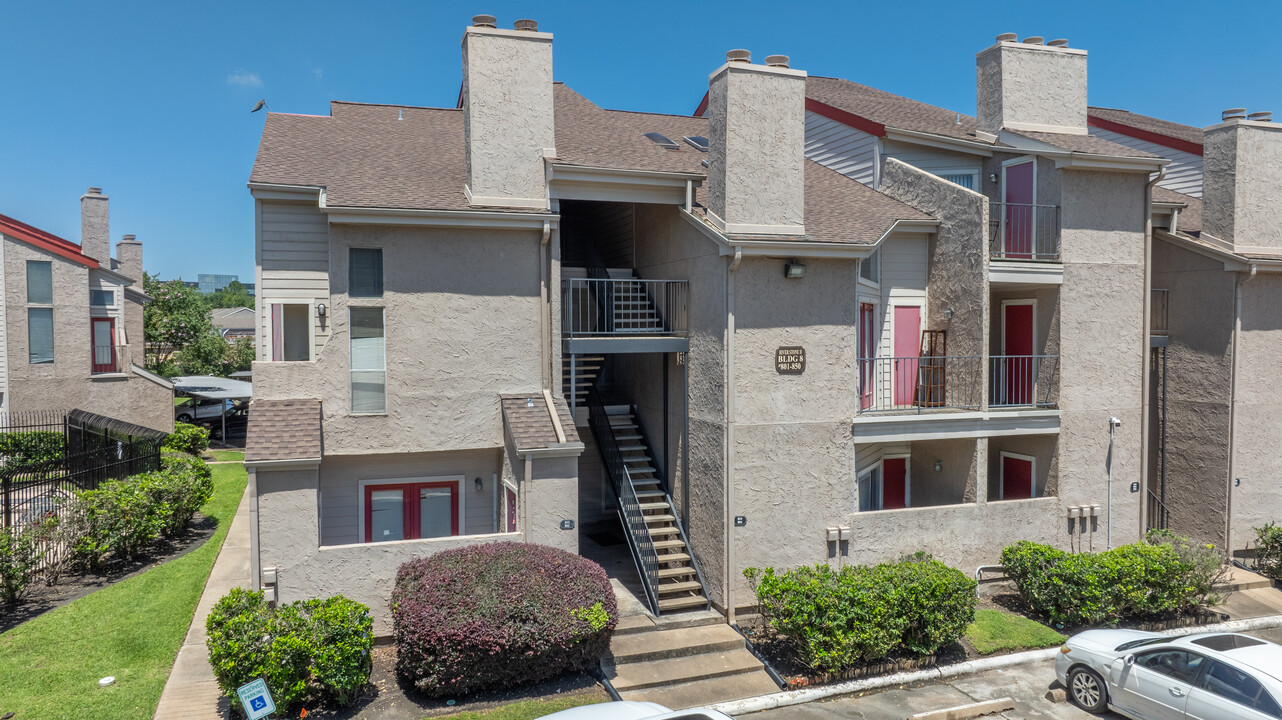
(1017, 477)
(907, 347)
(867, 350)
(1018, 371)
(1019, 194)
(104, 344)
(894, 479)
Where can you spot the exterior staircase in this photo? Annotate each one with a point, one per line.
(634, 312)
(586, 369)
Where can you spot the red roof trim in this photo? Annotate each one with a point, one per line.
(1150, 136)
(45, 241)
(703, 106)
(845, 118)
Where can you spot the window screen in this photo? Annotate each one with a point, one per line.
(368, 361)
(870, 489)
(40, 335)
(39, 282)
(966, 180)
(102, 298)
(366, 272)
(870, 268)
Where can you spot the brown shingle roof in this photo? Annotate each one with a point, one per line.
(1085, 144)
(531, 425)
(890, 110)
(1190, 216)
(1187, 133)
(283, 430)
(590, 136)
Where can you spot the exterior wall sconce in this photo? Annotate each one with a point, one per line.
(479, 485)
(793, 270)
(993, 177)
(939, 465)
(320, 310)
(948, 314)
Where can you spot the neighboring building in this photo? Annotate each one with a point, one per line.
(72, 325)
(233, 323)
(482, 323)
(207, 283)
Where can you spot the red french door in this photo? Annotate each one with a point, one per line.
(907, 347)
(867, 351)
(408, 511)
(1019, 215)
(1019, 367)
(894, 479)
(1017, 478)
(103, 339)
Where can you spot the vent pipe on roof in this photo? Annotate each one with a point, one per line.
(743, 56)
(780, 61)
(94, 191)
(1007, 37)
(1233, 114)
(526, 25)
(488, 21)
(1034, 40)
(1058, 42)
(1262, 116)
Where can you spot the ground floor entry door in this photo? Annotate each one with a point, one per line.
(1017, 477)
(894, 483)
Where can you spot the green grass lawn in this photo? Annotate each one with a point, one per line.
(527, 709)
(50, 666)
(223, 455)
(998, 631)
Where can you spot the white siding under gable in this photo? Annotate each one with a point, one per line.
(293, 263)
(1183, 175)
(903, 282)
(839, 147)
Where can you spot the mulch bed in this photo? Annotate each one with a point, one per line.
(40, 598)
(387, 698)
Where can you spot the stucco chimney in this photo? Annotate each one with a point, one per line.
(1241, 180)
(756, 155)
(1031, 86)
(507, 113)
(129, 259)
(95, 228)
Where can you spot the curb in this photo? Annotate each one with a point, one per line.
(797, 697)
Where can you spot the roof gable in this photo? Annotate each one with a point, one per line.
(19, 230)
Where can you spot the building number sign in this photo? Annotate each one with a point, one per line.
(790, 360)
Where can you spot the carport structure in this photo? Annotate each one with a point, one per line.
(208, 387)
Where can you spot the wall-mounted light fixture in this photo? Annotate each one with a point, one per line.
(948, 314)
(939, 465)
(793, 270)
(529, 402)
(479, 485)
(993, 177)
(320, 310)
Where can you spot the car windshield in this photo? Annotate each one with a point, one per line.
(1142, 642)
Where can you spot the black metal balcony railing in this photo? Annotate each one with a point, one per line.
(624, 307)
(953, 382)
(1024, 232)
(108, 358)
(1159, 312)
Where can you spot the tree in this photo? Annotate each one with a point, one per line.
(241, 355)
(175, 317)
(234, 295)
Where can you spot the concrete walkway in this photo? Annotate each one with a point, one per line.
(191, 692)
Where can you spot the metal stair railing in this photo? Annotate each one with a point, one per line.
(635, 529)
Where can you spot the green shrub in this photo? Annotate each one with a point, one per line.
(20, 555)
(1163, 576)
(1268, 551)
(31, 448)
(834, 619)
(296, 648)
(186, 438)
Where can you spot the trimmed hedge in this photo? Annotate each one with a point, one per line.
(31, 448)
(836, 619)
(187, 438)
(499, 614)
(306, 647)
(1158, 577)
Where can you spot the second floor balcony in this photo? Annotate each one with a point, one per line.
(918, 385)
(625, 315)
(1023, 232)
(108, 359)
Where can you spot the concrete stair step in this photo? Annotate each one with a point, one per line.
(676, 642)
(664, 531)
(673, 558)
(650, 493)
(698, 693)
(653, 506)
(675, 572)
(669, 671)
(659, 518)
(1240, 579)
(681, 603)
(669, 544)
(676, 587)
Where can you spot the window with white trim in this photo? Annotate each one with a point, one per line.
(40, 312)
(966, 180)
(870, 488)
(870, 267)
(368, 360)
(365, 272)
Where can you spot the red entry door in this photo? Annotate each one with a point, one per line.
(1018, 371)
(1019, 211)
(867, 350)
(103, 337)
(1017, 478)
(907, 349)
(894, 479)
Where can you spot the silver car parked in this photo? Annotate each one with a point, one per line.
(1146, 676)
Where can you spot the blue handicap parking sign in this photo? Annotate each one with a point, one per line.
(256, 699)
(257, 703)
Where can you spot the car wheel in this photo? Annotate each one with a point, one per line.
(1086, 689)
(184, 418)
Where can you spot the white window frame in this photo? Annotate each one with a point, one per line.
(462, 506)
(859, 481)
(973, 173)
(269, 338)
(875, 259)
(53, 314)
(1001, 474)
(351, 369)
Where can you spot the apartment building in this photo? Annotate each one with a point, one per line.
(72, 323)
(724, 336)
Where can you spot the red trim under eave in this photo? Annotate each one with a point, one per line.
(703, 106)
(845, 118)
(45, 241)
(1150, 136)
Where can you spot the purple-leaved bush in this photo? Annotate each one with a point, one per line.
(497, 615)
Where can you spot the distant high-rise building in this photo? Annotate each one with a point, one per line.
(213, 283)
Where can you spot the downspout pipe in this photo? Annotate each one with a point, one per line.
(1252, 268)
(730, 421)
(1145, 378)
(545, 309)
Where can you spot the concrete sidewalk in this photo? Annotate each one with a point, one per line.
(191, 691)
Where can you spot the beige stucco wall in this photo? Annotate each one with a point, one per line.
(1242, 164)
(1031, 86)
(1257, 422)
(462, 327)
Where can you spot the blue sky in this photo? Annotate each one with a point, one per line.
(151, 100)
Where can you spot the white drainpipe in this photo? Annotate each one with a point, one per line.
(545, 309)
(730, 420)
(1144, 365)
(1237, 331)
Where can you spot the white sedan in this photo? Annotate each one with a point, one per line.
(1146, 676)
(632, 710)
